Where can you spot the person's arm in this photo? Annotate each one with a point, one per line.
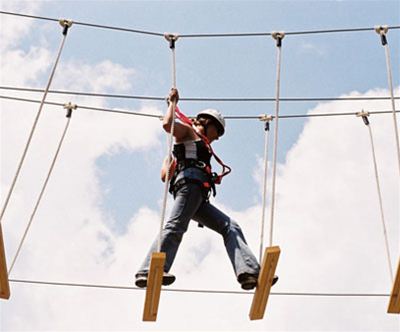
(181, 131)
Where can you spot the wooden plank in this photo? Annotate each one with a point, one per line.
(153, 290)
(265, 278)
(394, 303)
(4, 285)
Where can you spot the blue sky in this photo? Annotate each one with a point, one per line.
(120, 177)
(234, 67)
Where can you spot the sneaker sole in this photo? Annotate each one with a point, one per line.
(166, 281)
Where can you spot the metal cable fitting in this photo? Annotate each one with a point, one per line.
(66, 24)
(382, 31)
(70, 107)
(171, 38)
(278, 36)
(364, 115)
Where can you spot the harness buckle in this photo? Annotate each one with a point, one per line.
(200, 164)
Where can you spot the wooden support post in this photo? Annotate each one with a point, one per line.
(153, 290)
(4, 285)
(394, 303)
(265, 278)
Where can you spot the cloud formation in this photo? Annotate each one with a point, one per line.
(327, 219)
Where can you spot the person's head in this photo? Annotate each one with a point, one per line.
(212, 122)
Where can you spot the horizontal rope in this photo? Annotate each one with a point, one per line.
(85, 24)
(207, 291)
(199, 35)
(196, 99)
(230, 117)
(84, 107)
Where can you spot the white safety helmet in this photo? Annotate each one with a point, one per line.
(214, 115)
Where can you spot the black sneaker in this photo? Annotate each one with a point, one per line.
(275, 280)
(141, 279)
(249, 281)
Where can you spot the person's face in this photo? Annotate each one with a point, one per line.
(212, 132)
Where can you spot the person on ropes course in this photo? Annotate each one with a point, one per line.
(191, 184)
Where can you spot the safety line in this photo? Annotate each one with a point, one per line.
(278, 37)
(199, 35)
(207, 291)
(42, 190)
(195, 99)
(65, 27)
(230, 117)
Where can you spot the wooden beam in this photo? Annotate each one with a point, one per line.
(394, 303)
(265, 278)
(153, 290)
(4, 285)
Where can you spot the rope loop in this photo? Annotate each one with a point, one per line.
(382, 31)
(171, 38)
(66, 24)
(70, 107)
(278, 36)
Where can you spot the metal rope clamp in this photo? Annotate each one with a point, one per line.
(382, 31)
(278, 36)
(66, 24)
(69, 107)
(171, 38)
(267, 119)
(364, 116)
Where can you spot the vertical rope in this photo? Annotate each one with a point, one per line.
(364, 116)
(278, 36)
(390, 82)
(66, 25)
(382, 30)
(69, 110)
(264, 194)
(171, 39)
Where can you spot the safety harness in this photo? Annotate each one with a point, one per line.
(182, 164)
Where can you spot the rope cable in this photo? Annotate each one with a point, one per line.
(278, 37)
(34, 123)
(43, 189)
(264, 193)
(200, 35)
(390, 82)
(230, 117)
(171, 39)
(378, 188)
(206, 291)
(195, 99)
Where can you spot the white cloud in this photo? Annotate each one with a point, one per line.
(327, 222)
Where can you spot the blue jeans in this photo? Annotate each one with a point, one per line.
(190, 203)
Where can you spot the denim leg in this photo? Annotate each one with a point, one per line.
(187, 201)
(242, 259)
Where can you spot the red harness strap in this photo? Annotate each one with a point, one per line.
(225, 168)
